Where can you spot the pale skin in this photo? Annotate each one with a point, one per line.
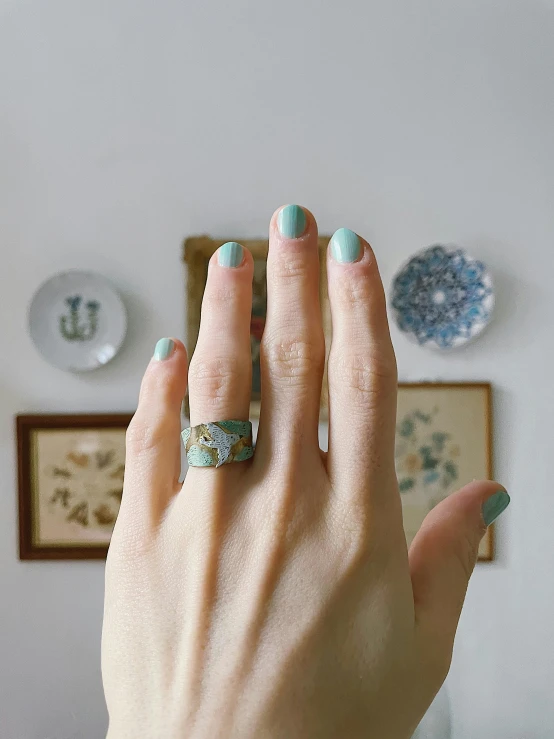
(275, 598)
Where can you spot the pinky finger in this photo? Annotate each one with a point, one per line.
(153, 452)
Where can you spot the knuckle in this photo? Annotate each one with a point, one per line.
(356, 291)
(293, 361)
(362, 291)
(365, 375)
(215, 379)
(144, 435)
(223, 295)
(290, 265)
(156, 387)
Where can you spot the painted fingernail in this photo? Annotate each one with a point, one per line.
(494, 506)
(291, 221)
(345, 245)
(230, 254)
(163, 349)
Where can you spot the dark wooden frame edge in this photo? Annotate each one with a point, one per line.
(24, 425)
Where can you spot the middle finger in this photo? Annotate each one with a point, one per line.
(293, 345)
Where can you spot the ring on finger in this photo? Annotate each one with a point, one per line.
(218, 442)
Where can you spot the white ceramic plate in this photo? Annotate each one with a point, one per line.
(77, 320)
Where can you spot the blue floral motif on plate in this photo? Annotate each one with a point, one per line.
(442, 298)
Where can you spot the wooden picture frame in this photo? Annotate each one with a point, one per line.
(197, 251)
(70, 475)
(425, 412)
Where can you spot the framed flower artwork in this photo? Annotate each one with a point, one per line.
(70, 483)
(443, 441)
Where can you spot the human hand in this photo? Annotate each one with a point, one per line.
(275, 598)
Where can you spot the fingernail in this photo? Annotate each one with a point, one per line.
(494, 506)
(230, 254)
(345, 245)
(291, 221)
(163, 349)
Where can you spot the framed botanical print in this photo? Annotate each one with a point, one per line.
(70, 483)
(196, 255)
(443, 441)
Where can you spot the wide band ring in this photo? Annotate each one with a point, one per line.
(218, 443)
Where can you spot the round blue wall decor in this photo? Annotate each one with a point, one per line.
(442, 297)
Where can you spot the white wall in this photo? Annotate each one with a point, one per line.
(127, 124)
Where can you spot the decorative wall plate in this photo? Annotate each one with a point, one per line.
(442, 297)
(77, 320)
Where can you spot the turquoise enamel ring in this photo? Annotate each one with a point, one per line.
(218, 443)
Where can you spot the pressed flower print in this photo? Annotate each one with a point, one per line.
(442, 443)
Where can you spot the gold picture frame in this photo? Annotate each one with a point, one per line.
(444, 440)
(197, 251)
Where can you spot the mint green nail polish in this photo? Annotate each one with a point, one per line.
(163, 349)
(345, 245)
(291, 221)
(494, 506)
(230, 254)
